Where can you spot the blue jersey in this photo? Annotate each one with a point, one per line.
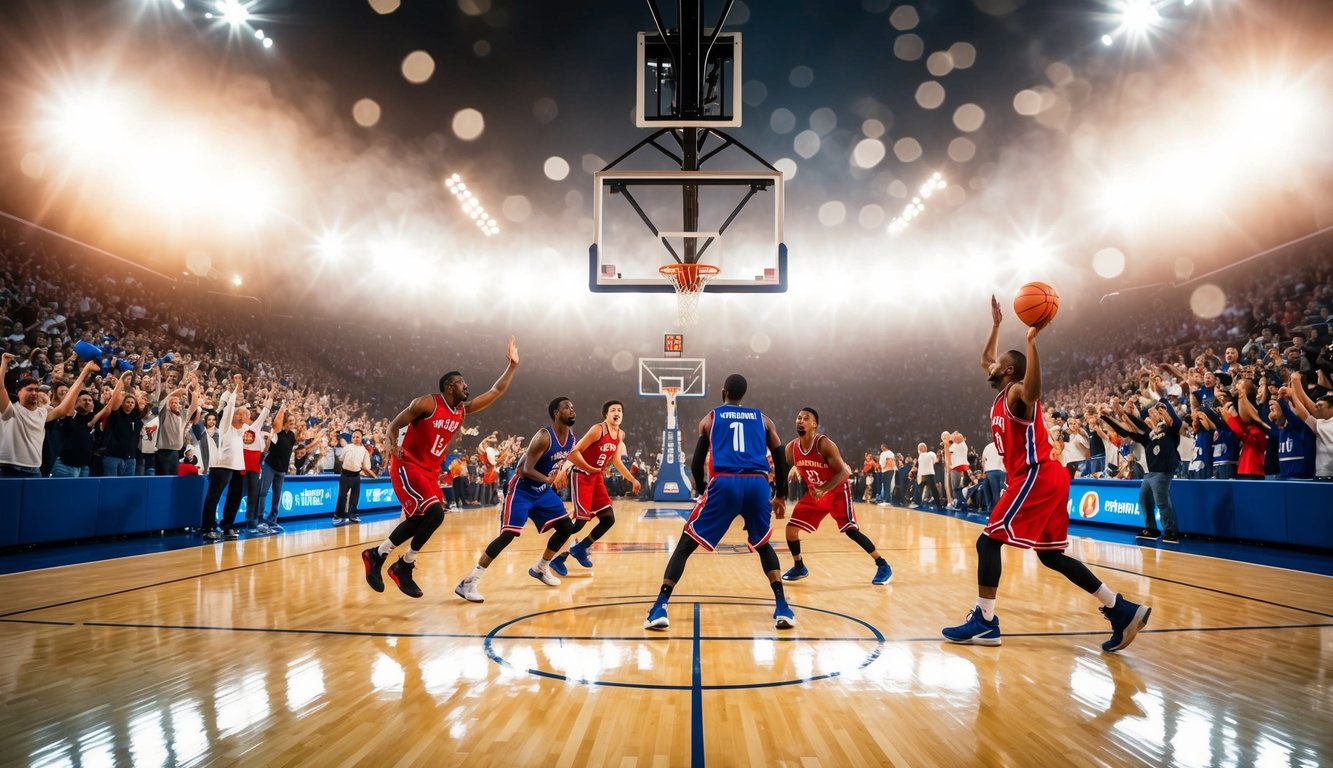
(738, 442)
(555, 453)
(1203, 450)
(1295, 446)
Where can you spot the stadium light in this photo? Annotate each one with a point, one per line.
(917, 206)
(472, 207)
(1138, 16)
(236, 281)
(233, 12)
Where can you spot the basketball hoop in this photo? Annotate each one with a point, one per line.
(689, 281)
(670, 394)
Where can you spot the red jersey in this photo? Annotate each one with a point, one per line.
(812, 466)
(427, 436)
(603, 450)
(1021, 444)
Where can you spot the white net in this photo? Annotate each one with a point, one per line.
(689, 281)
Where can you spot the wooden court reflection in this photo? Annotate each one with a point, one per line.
(275, 652)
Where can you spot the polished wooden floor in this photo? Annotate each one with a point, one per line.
(274, 652)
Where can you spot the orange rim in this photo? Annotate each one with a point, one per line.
(689, 277)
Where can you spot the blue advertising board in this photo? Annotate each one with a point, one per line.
(312, 495)
(1105, 502)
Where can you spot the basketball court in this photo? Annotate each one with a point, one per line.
(273, 651)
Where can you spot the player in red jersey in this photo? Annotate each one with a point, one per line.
(594, 453)
(815, 459)
(431, 422)
(1031, 513)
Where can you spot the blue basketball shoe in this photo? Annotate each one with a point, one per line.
(657, 617)
(796, 572)
(1126, 620)
(783, 618)
(558, 564)
(579, 551)
(976, 630)
(883, 574)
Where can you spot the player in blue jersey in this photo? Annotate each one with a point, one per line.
(531, 497)
(737, 442)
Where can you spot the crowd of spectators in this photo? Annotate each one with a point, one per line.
(167, 355)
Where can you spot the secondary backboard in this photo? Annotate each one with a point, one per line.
(686, 374)
(641, 220)
(657, 103)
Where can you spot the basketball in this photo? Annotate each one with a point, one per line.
(1036, 303)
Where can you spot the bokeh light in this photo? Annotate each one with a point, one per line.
(468, 124)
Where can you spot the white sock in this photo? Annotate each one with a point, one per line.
(386, 548)
(476, 573)
(987, 606)
(543, 564)
(410, 556)
(1105, 594)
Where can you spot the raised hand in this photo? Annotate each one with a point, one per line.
(513, 351)
(995, 314)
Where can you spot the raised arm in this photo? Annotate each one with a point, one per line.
(66, 406)
(1294, 407)
(483, 401)
(1299, 394)
(990, 353)
(6, 360)
(1030, 391)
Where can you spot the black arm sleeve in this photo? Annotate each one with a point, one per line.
(779, 471)
(698, 461)
(1119, 430)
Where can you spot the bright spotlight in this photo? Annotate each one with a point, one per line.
(1138, 16)
(236, 280)
(330, 248)
(1107, 39)
(233, 12)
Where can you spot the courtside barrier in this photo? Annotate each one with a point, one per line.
(1298, 512)
(67, 509)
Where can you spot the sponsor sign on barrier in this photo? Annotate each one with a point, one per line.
(317, 495)
(1105, 503)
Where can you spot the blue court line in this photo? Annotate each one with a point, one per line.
(697, 700)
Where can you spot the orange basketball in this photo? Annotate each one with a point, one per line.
(1036, 303)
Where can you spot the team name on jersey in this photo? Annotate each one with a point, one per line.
(810, 463)
(997, 422)
(751, 415)
(449, 424)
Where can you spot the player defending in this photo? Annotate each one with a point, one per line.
(816, 460)
(736, 440)
(531, 497)
(1031, 512)
(594, 451)
(431, 422)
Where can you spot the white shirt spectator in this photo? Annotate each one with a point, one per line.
(1323, 449)
(991, 460)
(1076, 450)
(231, 449)
(958, 455)
(22, 432)
(355, 458)
(885, 460)
(925, 464)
